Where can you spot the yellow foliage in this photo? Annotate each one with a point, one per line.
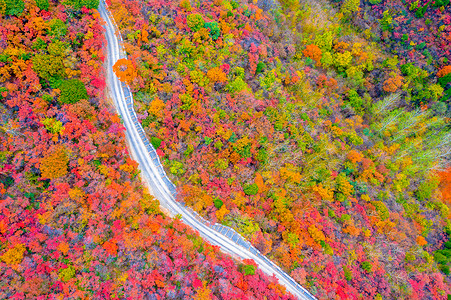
(76, 193)
(14, 255)
(216, 75)
(366, 198)
(239, 200)
(324, 192)
(156, 107)
(344, 186)
(342, 60)
(204, 293)
(316, 234)
(290, 175)
(221, 213)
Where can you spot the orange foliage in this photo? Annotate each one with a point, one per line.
(355, 156)
(444, 71)
(54, 164)
(393, 84)
(421, 241)
(314, 52)
(125, 70)
(445, 185)
(110, 247)
(216, 75)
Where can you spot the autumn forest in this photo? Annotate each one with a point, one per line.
(318, 130)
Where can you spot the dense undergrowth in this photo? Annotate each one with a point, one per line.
(318, 139)
(75, 220)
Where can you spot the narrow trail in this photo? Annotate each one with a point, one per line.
(159, 184)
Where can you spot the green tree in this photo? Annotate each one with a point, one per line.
(349, 7)
(13, 7)
(72, 91)
(42, 4)
(57, 28)
(251, 189)
(366, 265)
(195, 22)
(47, 66)
(215, 31)
(77, 4)
(156, 142)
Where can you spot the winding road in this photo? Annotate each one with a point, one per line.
(159, 184)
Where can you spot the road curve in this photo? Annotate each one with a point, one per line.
(159, 184)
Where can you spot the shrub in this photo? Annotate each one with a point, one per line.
(13, 7)
(215, 31)
(42, 4)
(47, 66)
(195, 22)
(218, 203)
(251, 189)
(67, 273)
(77, 4)
(57, 28)
(72, 91)
(348, 274)
(54, 165)
(355, 100)
(249, 270)
(156, 142)
(366, 265)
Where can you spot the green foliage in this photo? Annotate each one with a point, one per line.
(2, 90)
(176, 168)
(355, 100)
(47, 66)
(349, 7)
(57, 28)
(381, 209)
(439, 3)
(249, 270)
(78, 4)
(215, 31)
(420, 11)
(218, 203)
(426, 188)
(409, 257)
(39, 44)
(347, 272)
(366, 265)
(443, 81)
(195, 22)
(156, 142)
(250, 189)
(189, 150)
(72, 91)
(13, 7)
(146, 122)
(42, 4)
(57, 48)
(52, 125)
(237, 85)
(260, 67)
(387, 21)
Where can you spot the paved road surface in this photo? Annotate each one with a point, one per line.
(160, 186)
